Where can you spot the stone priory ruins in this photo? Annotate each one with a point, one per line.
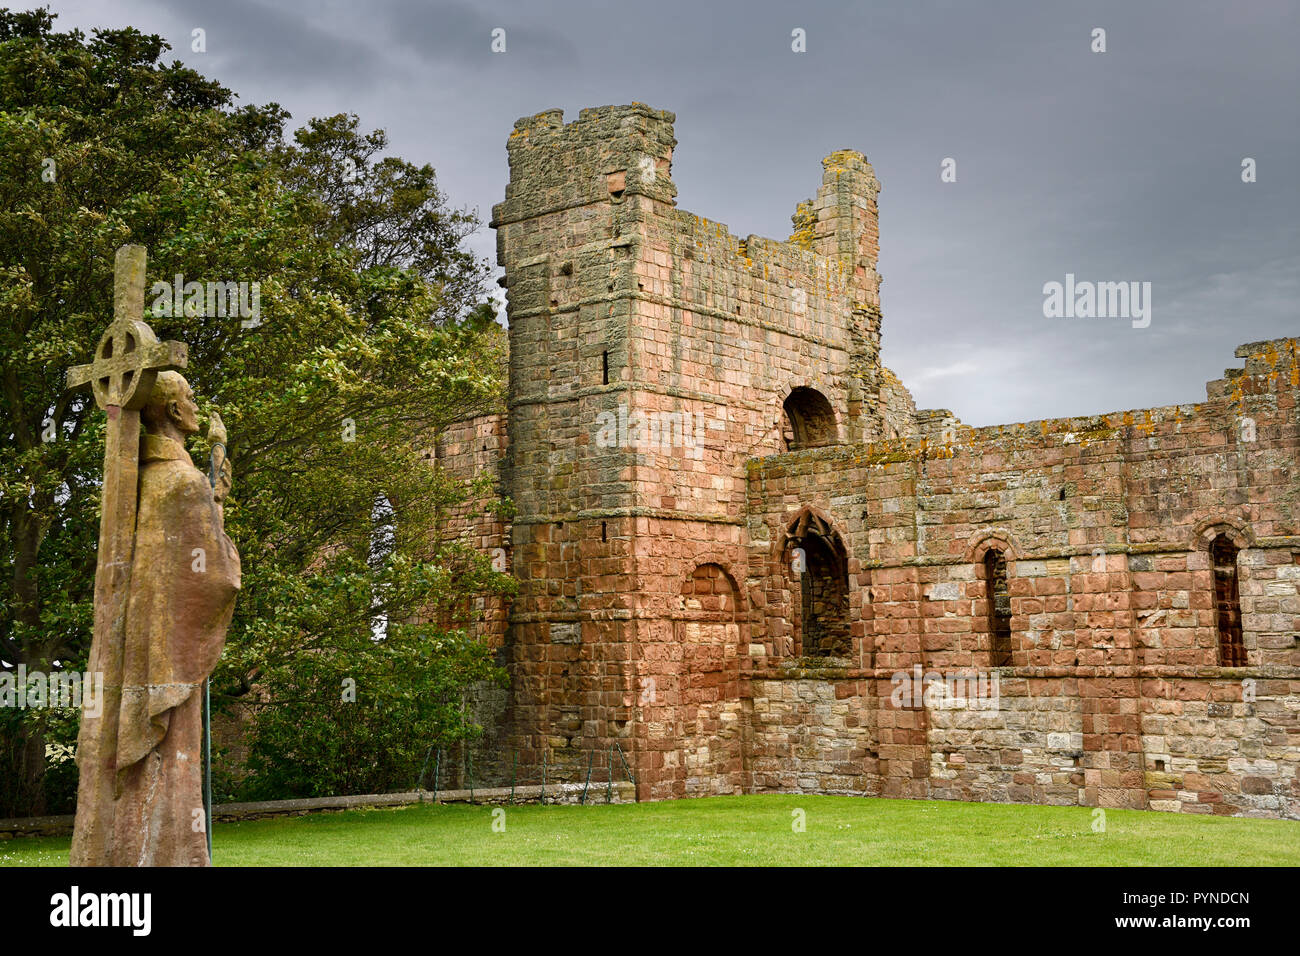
(749, 563)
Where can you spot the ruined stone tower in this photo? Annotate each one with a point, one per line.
(688, 343)
(739, 545)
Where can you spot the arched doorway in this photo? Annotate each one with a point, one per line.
(707, 629)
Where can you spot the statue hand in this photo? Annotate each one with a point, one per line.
(216, 428)
(222, 488)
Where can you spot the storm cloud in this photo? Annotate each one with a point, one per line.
(1115, 166)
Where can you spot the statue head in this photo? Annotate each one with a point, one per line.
(171, 406)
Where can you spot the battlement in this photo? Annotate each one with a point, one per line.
(615, 154)
(608, 154)
(606, 275)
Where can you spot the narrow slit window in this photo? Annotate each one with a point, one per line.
(999, 601)
(604, 368)
(1227, 602)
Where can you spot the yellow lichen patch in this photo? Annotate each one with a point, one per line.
(1086, 438)
(839, 160)
(889, 377)
(805, 221)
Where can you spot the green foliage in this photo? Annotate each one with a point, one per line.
(370, 339)
(317, 740)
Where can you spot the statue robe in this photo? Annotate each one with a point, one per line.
(184, 578)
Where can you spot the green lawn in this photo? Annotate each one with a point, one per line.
(748, 830)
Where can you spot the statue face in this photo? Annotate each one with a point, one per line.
(184, 412)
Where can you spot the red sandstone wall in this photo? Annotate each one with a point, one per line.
(723, 329)
(1115, 696)
(621, 305)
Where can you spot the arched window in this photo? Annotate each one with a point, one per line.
(817, 558)
(1227, 603)
(999, 602)
(810, 419)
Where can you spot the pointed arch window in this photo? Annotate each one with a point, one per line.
(819, 560)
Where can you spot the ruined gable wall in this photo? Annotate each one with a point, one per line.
(897, 407)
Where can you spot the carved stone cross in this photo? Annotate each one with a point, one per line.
(128, 359)
(129, 356)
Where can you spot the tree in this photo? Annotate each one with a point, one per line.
(364, 339)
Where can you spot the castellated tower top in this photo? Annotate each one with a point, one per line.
(611, 153)
(602, 268)
(608, 152)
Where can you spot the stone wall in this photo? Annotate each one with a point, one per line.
(634, 329)
(701, 432)
(1116, 695)
(468, 450)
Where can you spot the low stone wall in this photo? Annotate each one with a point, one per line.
(560, 793)
(35, 826)
(1027, 750)
(813, 735)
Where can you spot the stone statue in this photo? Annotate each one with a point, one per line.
(164, 594)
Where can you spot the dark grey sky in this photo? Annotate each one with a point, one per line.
(1123, 165)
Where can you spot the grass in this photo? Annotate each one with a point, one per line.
(740, 830)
